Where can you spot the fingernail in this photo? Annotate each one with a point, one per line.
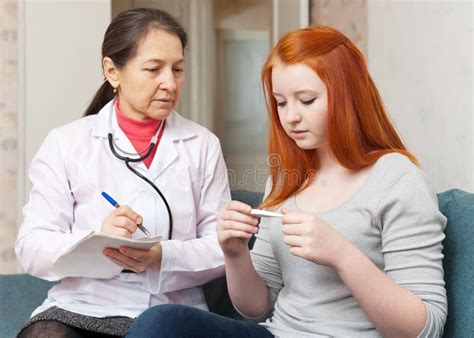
(139, 220)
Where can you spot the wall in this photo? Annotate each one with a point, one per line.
(242, 14)
(59, 70)
(62, 64)
(349, 17)
(243, 34)
(8, 134)
(420, 56)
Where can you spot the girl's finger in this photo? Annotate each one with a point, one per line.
(232, 215)
(238, 206)
(297, 251)
(293, 241)
(293, 216)
(229, 234)
(232, 225)
(293, 229)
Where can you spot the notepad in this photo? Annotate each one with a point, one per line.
(85, 258)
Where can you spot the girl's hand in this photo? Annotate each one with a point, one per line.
(137, 260)
(311, 238)
(121, 222)
(235, 227)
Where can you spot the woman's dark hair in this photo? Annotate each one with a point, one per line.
(121, 43)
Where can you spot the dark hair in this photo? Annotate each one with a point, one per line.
(121, 43)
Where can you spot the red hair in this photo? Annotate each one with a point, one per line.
(359, 130)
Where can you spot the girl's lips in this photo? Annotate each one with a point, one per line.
(298, 132)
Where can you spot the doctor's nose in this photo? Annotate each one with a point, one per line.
(168, 81)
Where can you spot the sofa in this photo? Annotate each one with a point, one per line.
(20, 294)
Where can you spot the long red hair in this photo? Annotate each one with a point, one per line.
(359, 130)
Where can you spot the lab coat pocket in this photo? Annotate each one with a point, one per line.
(89, 209)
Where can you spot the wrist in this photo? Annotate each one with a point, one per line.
(236, 259)
(347, 254)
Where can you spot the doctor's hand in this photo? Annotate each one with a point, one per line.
(121, 222)
(235, 227)
(309, 237)
(137, 260)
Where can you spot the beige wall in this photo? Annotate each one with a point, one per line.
(421, 57)
(350, 17)
(242, 14)
(8, 134)
(62, 64)
(59, 70)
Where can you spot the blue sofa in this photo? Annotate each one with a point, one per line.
(20, 294)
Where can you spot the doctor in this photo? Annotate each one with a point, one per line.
(143, 63)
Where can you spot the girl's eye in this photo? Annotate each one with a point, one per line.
(153, 70)
(281, 104)
(307, 102)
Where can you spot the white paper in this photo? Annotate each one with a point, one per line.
(85, 258)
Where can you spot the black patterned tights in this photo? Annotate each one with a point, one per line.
(53, 329)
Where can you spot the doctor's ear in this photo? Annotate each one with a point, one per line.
(111, 73)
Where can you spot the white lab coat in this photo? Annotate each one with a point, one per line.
(69, 172)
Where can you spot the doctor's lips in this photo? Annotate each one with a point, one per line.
(165, 101)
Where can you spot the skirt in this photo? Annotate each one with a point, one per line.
(114, 326)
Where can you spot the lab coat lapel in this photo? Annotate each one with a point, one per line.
(165, 155)
(177, 129)
(124, 143)
(121, 141)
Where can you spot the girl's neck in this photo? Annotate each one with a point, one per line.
(327, 162)
(329, 166)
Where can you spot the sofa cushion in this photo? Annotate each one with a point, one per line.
(19, 296)
(458, 262)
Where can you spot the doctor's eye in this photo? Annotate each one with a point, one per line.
(178, 70)
(153, 70)
(308, 102)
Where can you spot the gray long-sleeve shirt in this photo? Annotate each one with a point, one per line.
(395, 221)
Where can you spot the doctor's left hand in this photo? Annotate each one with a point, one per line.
(136, 260)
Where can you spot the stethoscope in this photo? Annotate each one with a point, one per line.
(140, 158)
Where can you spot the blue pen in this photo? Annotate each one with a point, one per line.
(116, 205)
